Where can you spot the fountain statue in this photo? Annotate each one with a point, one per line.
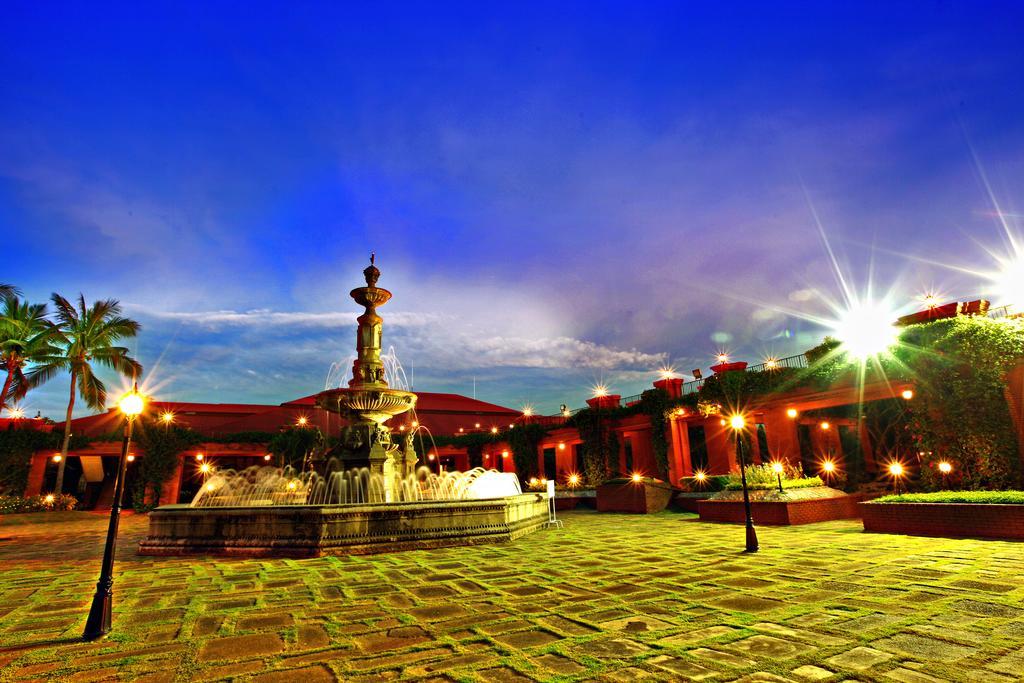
(366, 494)
(368, 401)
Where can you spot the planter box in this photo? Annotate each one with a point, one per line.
(568, 500)
(688, 501)
(954, 520)
(729, 367)
(640, 497)
(780, 513)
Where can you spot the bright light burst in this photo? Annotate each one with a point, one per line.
(600, 391)
(866, 329)
(527, 410)
(15, 413)
(667, 372)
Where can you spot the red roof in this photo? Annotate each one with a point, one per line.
(440, 413)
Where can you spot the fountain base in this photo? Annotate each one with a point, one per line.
(360, 529)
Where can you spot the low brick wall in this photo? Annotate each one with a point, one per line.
(780, 513)
(688, 501)
(953, 520)
(633, 497)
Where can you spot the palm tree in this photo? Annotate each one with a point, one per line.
(7, 291)
(86, 334)
(26, 336)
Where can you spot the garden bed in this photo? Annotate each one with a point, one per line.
(625, 495)
(770, 507)
(951, 514)
(568, 500)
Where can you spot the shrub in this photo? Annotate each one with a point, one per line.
(15, 504)
(984, 497)
(762, 477)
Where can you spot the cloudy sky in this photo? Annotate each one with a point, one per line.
(559, 194)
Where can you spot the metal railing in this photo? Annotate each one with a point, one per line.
(1001, 311)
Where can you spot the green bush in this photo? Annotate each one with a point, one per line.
(15, 504)
(804, 483)
(989, 497)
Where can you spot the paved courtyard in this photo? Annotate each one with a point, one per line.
(610, 597)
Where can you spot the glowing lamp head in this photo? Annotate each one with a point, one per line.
(866, 329)
(494, 430)
(167, 417)
(401, 428)
(461, 430)
(204, 468)
(737, 422)
(600, 391)
(828, 466)
(49, 499)
(907, 394)
(771, 363)
(504, 454)
(199, 456)
(945, 467)
(896, 469)
(58, 457)
(791, 413)
(16, 413)
(825, 426)
(302, 421)
(131, 458)
(637, 477)
(131, 404)
(723, 358)
(430, 457)
(574, 479)
(700, 476)
(476, 426)
(667, 373)
(527, 411)
(777, 467)
(267, 457)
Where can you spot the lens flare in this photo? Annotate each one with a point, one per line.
(866, 329)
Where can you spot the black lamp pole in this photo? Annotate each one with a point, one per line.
(98, 623)
(752, 545)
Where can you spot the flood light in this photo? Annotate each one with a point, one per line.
(866, 329)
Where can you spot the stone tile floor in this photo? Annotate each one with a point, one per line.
(610, 597)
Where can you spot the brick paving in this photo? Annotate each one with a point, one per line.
(610, 597)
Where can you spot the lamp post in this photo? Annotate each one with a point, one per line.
(98, 623)
(777, 469)
(738, 423)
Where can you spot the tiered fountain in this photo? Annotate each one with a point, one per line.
(366, 495)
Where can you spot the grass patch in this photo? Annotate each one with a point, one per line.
(982, 497)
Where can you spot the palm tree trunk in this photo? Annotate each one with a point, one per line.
(7, 386)
(67, 439)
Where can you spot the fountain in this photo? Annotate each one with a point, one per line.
(364, 495)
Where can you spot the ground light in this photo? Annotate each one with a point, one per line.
(829, 469)
(777, 469)
(945, 468)
(98, 624)
(896, 471)
(738, 424)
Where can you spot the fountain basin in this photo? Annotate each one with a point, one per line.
(316, 530)
(377, 404)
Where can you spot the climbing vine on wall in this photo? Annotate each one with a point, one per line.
(960, 412)
(524, 441)
(162, 446)
(599, 446)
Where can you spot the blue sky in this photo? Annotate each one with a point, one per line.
(559, 193)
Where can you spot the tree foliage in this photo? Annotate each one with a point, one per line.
(163, 446)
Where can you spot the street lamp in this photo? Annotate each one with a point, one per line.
(738, 424)
(131, 406)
